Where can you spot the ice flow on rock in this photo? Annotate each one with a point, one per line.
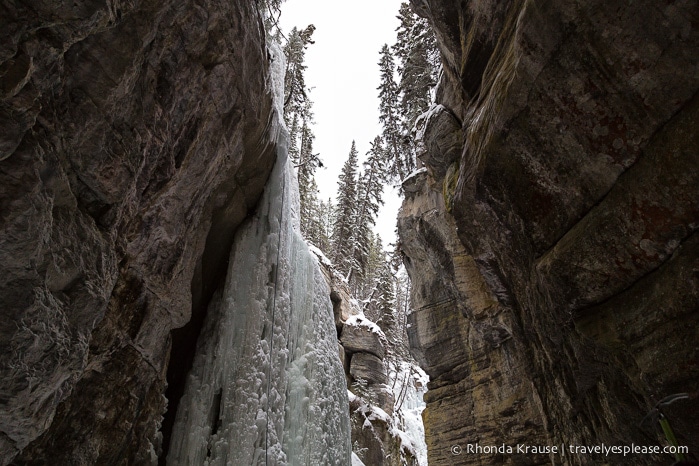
(267, 385)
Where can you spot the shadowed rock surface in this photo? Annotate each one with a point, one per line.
(135, 138)
(552, 240)
(368, 367)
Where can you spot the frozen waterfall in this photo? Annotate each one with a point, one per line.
(267, 385)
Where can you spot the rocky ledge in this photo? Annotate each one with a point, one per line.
(552, 239)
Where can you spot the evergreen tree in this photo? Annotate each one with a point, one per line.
(402, 309)
(293, 127)
(295, 91)
(345, 213)
(397, 152)
(375, 260)
(297, 105)
(298, 116)
(326, 214)
(311, 215)
(369, 200)
(417, 55)
(386, 301)
(372, 182)
(306, 163)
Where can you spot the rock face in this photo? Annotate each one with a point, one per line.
(552, 239)
(373, 437)
(135, 138)
(364, 349)
(360, 338)
(368, 367)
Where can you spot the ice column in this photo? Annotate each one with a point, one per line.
(267, 385)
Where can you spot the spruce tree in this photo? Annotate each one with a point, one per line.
(369, 200)
(326, 214)
(298, 116)
(307, 161)
(402, 309)
(306, 164)
(386, 301)
(345, 213)
(297, 106)
(416, 52)
(375, 259)
(295, 91)
(293, 127)
(311, 215)
(397, 152)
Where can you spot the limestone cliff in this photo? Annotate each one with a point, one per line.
(135, 138)
(552, 239)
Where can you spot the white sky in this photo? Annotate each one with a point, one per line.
(343, 73)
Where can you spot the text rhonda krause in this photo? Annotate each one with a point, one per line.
(475, 448)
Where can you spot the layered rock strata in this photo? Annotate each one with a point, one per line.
(551, 240)
(135, 138)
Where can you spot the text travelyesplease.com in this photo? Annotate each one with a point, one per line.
(562, 449)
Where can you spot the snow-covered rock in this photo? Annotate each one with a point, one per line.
(362, 338)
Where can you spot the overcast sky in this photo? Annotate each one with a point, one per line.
(343, 73)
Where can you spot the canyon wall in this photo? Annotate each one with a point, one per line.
(551, 238)
(136, 137)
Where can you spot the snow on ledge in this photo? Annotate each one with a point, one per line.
(414, 174)
(361, 321)
(319, 254)
(406, 443)
(423, 120)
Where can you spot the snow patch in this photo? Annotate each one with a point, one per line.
(321, 257)
(360, 321)
(422, 121)
(356, 461)
(414, 174)
(406, 441)
(380, 414)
